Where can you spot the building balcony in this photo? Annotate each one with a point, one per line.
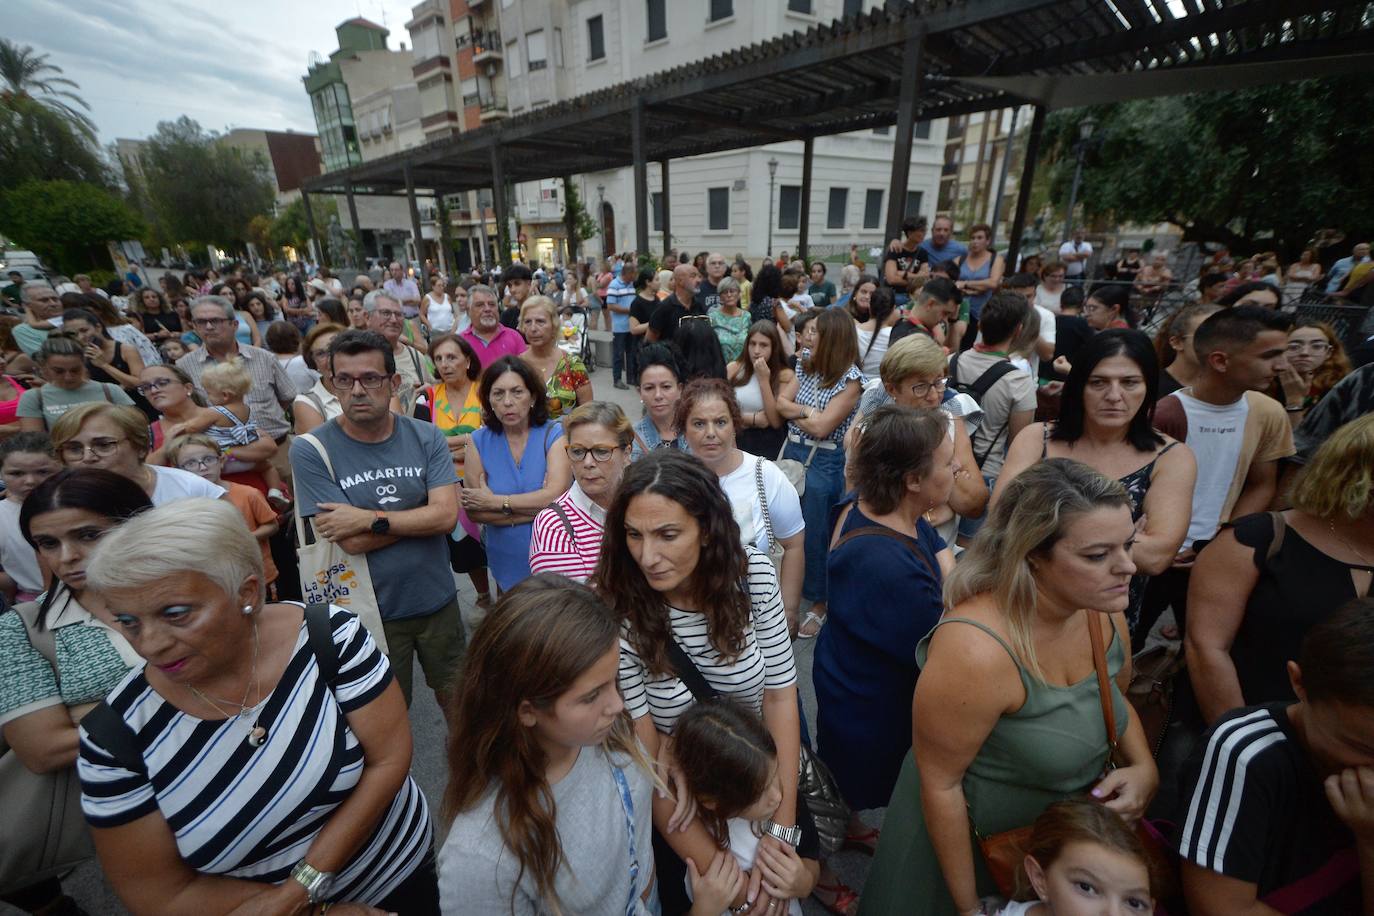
(493, 108)
(476, 4)
(486, 46)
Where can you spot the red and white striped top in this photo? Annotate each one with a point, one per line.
(552, 550)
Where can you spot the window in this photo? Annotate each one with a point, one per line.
(913, 204)
(656, 206)
(513, 66)
(873, 208)
(789, 206)
(835, 211)
(537, 50)
(922, 131)
(851, 7)
(721, 9)
(558, 48)
(596, 38)
(799, 6)
(718, 209)
(658, 19)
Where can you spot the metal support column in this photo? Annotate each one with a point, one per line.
(1023, 187)
(808, 149)
(569, 223)
(1006, 167)
(320, 253)
(641, 177)
(667, 234)
(906, 126)
(357, 231)
(498, 203)
(415, 224)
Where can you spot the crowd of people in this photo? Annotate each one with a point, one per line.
(236, 507)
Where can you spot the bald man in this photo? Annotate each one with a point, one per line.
(680, 303)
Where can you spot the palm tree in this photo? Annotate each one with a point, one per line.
(29, 76)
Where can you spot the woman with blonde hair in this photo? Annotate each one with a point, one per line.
(1266, 579)
(1007, 715)
(567, 383)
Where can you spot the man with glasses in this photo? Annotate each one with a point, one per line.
(490, 339)
(680, 304)
(707, 297)
(386, 317)
(387, 492)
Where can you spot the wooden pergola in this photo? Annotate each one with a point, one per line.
(911, 60)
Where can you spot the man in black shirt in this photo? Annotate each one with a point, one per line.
(936, 303)
(518, 280)
(706, 297)
(906, 262)
(663, 324)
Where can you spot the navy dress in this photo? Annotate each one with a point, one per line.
(885, 596)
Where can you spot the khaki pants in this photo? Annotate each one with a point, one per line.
(439, 641)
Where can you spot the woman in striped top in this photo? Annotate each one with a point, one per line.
(673, 568)
(566, 537)
(260, 759)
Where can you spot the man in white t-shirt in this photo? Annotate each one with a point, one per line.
(1237, 433)
(1075, 254)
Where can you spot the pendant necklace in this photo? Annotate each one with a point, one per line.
(257, 735)
(1348, 546)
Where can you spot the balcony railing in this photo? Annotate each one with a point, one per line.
(486, 46)
(493, 103)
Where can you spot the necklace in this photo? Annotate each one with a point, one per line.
(258, 733)
(1331, 524)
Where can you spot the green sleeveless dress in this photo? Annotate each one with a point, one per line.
(1053, 747)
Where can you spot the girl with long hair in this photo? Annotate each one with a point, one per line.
(1316, 362)
(758, 376)
(875, 331)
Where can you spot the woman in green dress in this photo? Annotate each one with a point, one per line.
(1007, 716)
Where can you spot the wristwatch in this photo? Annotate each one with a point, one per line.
(789, 835)
(505, 506)
(315, 882)
(381, 524)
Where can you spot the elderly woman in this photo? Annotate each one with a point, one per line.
(566, 537)
(1007, 713)
(514, 467)
(115, 438)
(566, 382)
(61, 657)
(729, 320)
(865, 662)
(62, 361)
(764, 502)
(318, 403)
(314, 745)
(1051, 287)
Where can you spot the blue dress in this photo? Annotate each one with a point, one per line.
(508, 547)
(976, 303)
(884, 598)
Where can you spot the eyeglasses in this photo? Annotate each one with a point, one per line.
(209, 322)
(156, 384)
(686, 318)
(200, 464)
(600, 453)
(921, 389)
(1312, 346)
(100, 448)
(370, 382)
(389, 313)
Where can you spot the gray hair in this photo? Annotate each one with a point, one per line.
(481, 289)
(726, 284)
(849, 278)
(34, 284)
(210, 539)
(218, 302)
(372, 298)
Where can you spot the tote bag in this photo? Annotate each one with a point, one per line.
(331, 575)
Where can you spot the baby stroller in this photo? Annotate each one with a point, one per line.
(574, 337)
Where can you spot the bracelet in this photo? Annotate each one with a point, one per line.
(1298, 409)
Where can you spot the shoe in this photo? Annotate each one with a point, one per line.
(866, 842)
(622, 386)
(811, 625)
(843, 901)
(279, 500)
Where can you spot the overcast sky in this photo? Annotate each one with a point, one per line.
(225, 63)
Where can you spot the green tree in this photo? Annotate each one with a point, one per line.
(37, 144)
(67, 222)
(27, 75)
(1253, 169)
(583, 226)
(290, 227)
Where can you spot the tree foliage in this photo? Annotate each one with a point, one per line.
(203, 191)
(584, 227)
(290, 228)
(66, 222)
(1253, 169)
(37, 144)
(27, 75)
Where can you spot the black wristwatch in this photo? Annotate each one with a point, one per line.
(381, 524)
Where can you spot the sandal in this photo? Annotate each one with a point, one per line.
(866, 842)
(844, 902)
(811, 618)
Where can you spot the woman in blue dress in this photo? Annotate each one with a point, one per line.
(516, 467)
(980, 275)
(881, 548)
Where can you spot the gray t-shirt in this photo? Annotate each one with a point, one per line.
(51, 402)
(1012, 393)
(477, 872)
(411, 577)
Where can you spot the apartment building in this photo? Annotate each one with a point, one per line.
(976, 149)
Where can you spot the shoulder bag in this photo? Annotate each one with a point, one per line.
(775, 550)
(794, 470)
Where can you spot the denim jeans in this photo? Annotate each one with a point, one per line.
(824, 487)
(620, 342)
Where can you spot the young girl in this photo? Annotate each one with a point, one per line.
(549, 792)
(730, 764)
(226, 385)
(1083, 858)
(172, 350)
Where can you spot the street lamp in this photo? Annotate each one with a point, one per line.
(1086, 127)
(772, 174)
(601, 217)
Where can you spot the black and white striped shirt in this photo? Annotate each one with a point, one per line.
(765, 663)
(252, 813)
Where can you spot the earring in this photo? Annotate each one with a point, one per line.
(247, 609)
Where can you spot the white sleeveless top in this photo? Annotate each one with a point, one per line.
(440, 313)
(749, 396)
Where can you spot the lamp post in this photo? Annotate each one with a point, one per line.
(601, 217)
(1085, 134)
(772, 175)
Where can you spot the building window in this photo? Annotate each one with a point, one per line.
(835, 211)
(658, 19)
(913, 204)
(873, 208)
(800, 6)
(718, 209)
(789, 206)
(922, 131)
(596, 38)
(513, 65)
(558, 48)
(656, 206)
(853, 7)
(537, 50)
(721, 9)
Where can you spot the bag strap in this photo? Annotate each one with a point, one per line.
(763, 501)
(1312, 889)
(562, 514)
(319, 633)
(688, 672)
(1104, 689)
(883, 531)
(105, 390)
(991, 376)
(1276, 542)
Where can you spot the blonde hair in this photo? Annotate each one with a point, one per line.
(173, 449)
(130, 421)
(211, 538)
(665, 280)
(1028, 521)
(230, 376)
(601, 413)
(540, 302)
(1339, 480)
(915, 354)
